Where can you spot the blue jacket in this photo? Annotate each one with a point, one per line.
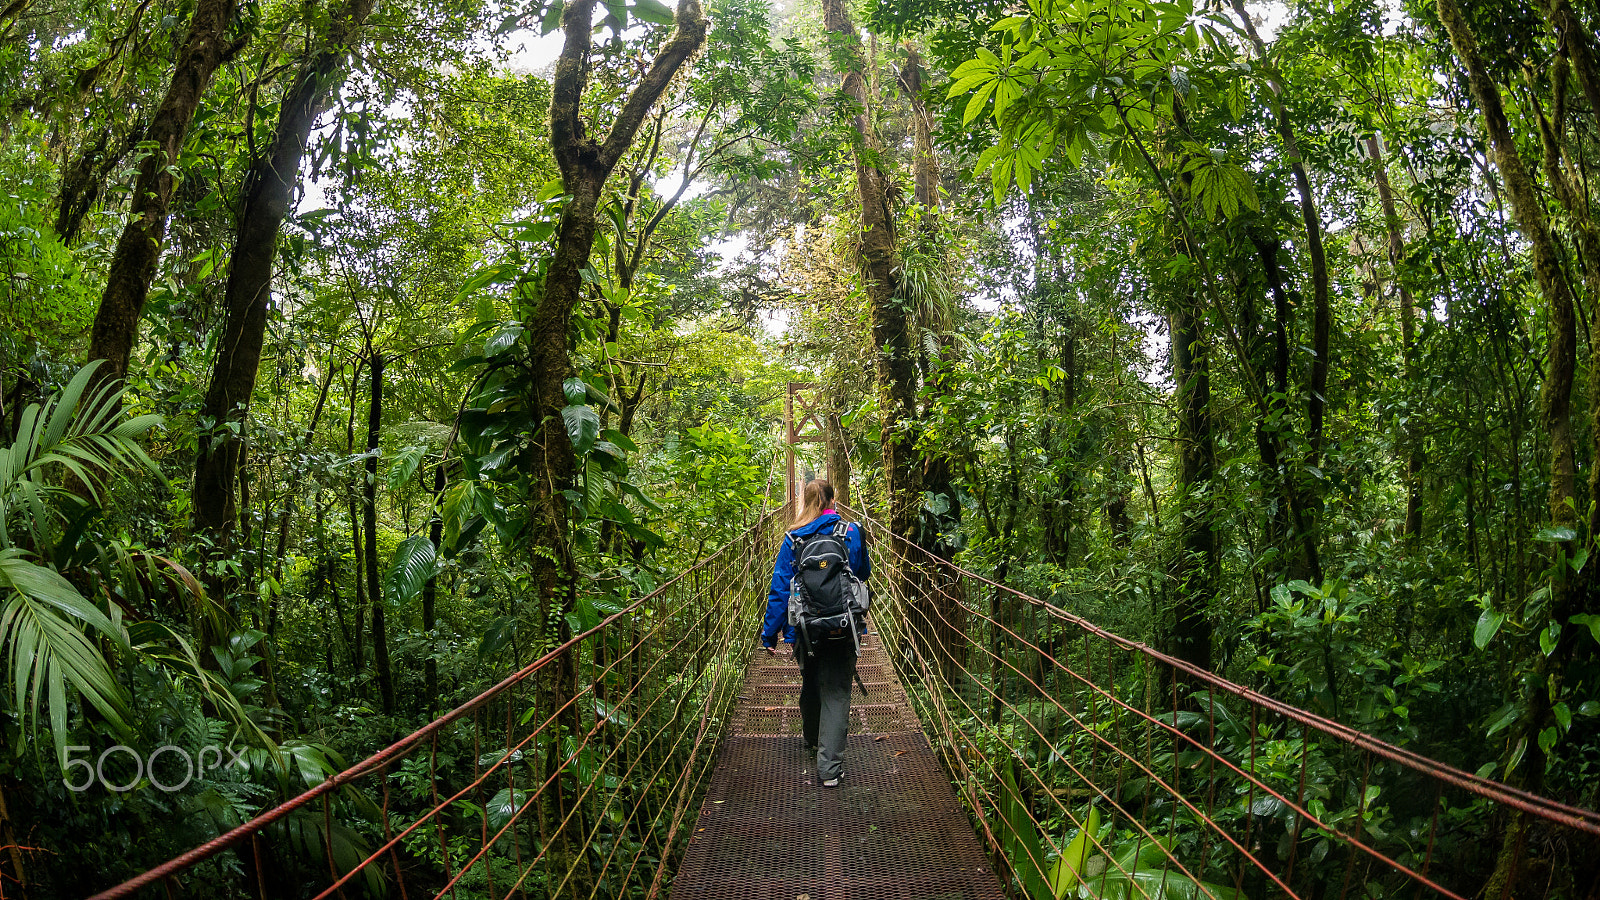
(777, 617)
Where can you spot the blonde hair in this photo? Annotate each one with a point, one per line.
(814, 498)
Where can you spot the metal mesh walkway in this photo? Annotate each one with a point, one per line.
(893, 829)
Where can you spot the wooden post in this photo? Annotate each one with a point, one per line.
(789, 493)
(808, 428)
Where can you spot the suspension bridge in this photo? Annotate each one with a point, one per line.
(1003, 748)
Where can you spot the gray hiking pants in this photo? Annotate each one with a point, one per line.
(825, 707)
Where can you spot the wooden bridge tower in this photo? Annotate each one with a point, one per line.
(809, 427)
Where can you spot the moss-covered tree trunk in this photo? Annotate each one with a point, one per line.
(1194, 566)
(269, 191)
(585, 164)
(1410, 433)
(369, 524)
(133, 266)
(896, 363)
(1543, 683)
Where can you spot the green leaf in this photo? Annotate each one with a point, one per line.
(1548, 638)
(575, 390)
(1517, 753)
(1555, 534)
(499, 273)
(404, 467)
(583, 426)
(621, 440)
(413, 564)
(976, 103)
(1503, 718)
(552, 17)
(1593, 621)
(653, 11)
(1488, 625)
(1069, 866)
(501, 341)
(1547, 739)
(1022, 840)
(503, 806)
(41, 622)
(1563, 715)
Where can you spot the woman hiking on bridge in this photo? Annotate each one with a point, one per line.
(818, 600)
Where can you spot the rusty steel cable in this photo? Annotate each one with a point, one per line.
(1016, 754)
(1128, 708)
(668, 658)
(1044, 721)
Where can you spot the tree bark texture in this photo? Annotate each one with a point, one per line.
(369, 524)
(924, 164)
(1322, 315)
(358, 647)
(1575, 43)
(1526, 207)
(133, 266)
(1555, 408)
(585, 164)
(1410, 439)
(880, 260)
(269, 191)
(1195, 566)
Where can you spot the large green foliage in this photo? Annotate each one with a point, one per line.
(76, 434)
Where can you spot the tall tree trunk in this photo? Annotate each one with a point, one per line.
(585, 164)
(369, 524)
(880, 260)
(1195, 565)
(430, 588)
(83, 181)
(358, 647)
(838, 447)
(133, 266)
(1322, 316)
(938, 471)
(1290, 521)
(1555, 407)
(1587, 238)
(1526, 207)
(1410, 439)
(269, 190)
(892, 327)
(924, 164)
(1576, 44)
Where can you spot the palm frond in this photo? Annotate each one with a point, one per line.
(41, 624)
(49, 631)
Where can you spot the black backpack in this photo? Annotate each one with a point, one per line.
(825, 596)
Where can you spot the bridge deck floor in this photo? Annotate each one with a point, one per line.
(893, 828)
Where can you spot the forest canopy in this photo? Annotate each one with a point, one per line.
(355, 354)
